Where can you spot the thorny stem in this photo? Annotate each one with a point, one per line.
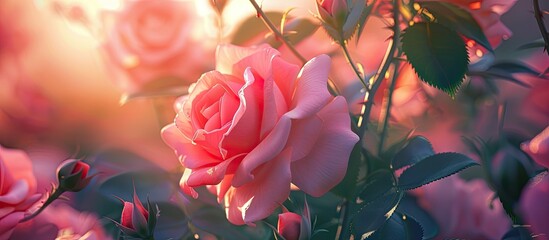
(539, 18)
(380, 75)
(388, 108)
(352, 63)
(55, 195)
(331, 86)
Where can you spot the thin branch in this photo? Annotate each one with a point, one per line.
(387, 114)
(355, 68)
(538, 14)
(380, 75)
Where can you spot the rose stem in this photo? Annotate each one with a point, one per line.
(380, 75)
(539, 18)
(350, 61)
(55, 195)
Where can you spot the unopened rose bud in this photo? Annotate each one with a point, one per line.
(72, 175)
(289, 225)
(339, 19)
(136, 221)
(334, 7)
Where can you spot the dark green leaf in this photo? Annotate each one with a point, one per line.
(377, 203)
(437, 54)
(539, 43)
(416, 150)
(458, 19)
(433, 168)
(346, 188)
(513, 67)
(499, 76)
(409, 207)
(399, 227)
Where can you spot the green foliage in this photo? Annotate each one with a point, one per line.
(376, 203)
(399, 226)
(433, 168)
(417, 149)
(410, 208)
(506, 70)
(458, 19)
(437, 54)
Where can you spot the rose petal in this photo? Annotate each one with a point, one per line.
(258, 199)
(325, 167)
(190, 155)
(285, 75)
(227, 55)
(260, 61)
(211, 175)
(271, 146)
(8, 223)
(311, 93)
(185, 187)
(243, 134)
(17, 193)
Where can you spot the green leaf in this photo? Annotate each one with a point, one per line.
(433, 168)
(408, 206)
(399, 227)
(539, 43)
(416, 150)
(458, 19)
(513, 67)
(377, 202)
(437, 54)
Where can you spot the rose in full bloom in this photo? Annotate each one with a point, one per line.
(155, 43)
(17, 189)
(534, 208)
(256, 125)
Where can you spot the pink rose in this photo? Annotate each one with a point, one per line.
(462, 209)
(534, 208)
(17, 189)
(538, 148)
(156, 40)
(289, 225)
(256, 125)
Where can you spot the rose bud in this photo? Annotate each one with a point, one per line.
(293, 226)
(289, 224)
(136, 221)
(332, 15)
(72, 175)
